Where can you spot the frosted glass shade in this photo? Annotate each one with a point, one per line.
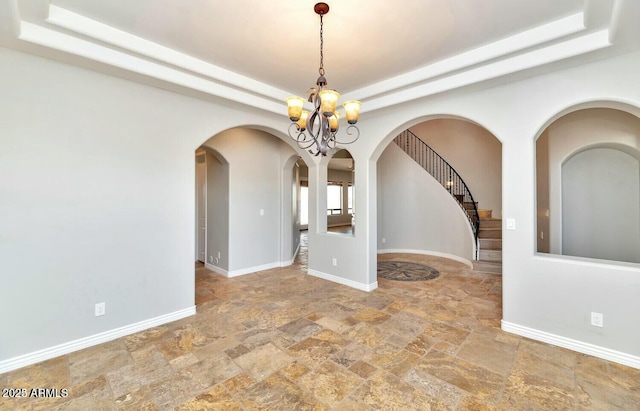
(333, 121)
(294, 105)
(352, 111)
(302, 122)
(328, 102)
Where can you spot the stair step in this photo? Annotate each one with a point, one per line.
(490, 244)
(490, 233)
(488, 267)
(491, 255)
(484, 214)
(490, 223)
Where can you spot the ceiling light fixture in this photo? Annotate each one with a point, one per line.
(321, 124)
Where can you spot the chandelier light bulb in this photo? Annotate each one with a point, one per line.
(352, 111)
(295, 107)
(333, 121)
(302, 122)
(328, 101)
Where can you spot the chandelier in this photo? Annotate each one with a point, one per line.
(316, 130)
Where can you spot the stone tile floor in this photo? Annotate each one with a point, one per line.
(283, 340)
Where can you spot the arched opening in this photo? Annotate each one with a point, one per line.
(340, 193)
(588, 185)
(247, 203)
(435, 181)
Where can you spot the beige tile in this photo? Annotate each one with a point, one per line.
(278, 393)
(239, 383)
(263, 361)
(330, 383)
(294, 370)
(280, 339)
(384, 391)
(476, 380)
(391, 358)
(216, 399)
(525, 389)
(149, 366)
(363, 369)
(486, 351)
(140, 399)
(98, 360)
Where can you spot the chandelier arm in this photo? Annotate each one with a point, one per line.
(300, 137)
(294, 131)
(351, 130)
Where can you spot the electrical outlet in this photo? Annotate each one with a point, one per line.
(597, 319)
(210, 258)
(262, 211)
(384, 240)
(335, 262)
(218, 255)
(100, 309)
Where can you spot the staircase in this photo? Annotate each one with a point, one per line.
(490, 243)
(442, 171)
(486, 229)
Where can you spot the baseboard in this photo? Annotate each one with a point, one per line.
(459, 259)
(289, 262)
(574, 345)
(243, 271)
(344, 281)
(215, 269)
(71, 346)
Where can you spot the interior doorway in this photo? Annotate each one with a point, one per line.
(201, 206)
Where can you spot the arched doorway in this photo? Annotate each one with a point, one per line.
(251, 202)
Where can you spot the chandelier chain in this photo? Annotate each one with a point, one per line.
(321, 70)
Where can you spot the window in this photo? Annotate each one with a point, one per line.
(334, 198)
(350, 199)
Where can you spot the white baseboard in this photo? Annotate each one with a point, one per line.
(71, 346)
(426, 252)
(344, 281)
(215, 269)
(289, 262)
(574, 345)
(248, 270)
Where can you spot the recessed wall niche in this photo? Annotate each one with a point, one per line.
(588, 186)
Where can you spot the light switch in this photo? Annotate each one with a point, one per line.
(511, 223)
(262, 211)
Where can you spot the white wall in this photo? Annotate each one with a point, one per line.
(97, 204)
(473, 152)
(97, 193)
(601, 205)
(544, 297)
(416, 213)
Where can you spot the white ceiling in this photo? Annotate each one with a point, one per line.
(258, 52)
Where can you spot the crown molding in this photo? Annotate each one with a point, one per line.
(68, 34)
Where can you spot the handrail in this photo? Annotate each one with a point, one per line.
(442, 171)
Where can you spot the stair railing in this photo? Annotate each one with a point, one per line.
(442, 171)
